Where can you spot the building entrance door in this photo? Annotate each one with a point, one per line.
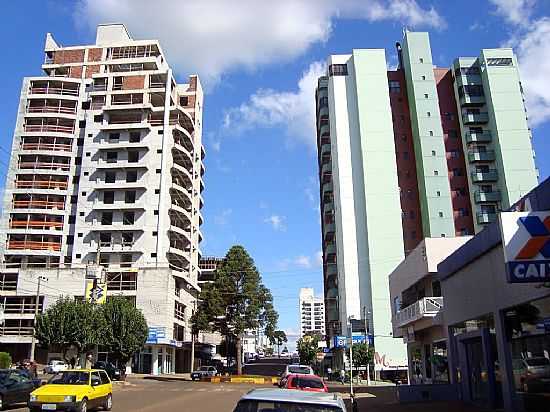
(477, 371)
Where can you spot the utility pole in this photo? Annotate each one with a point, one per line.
(36, 303)
(365, 314)
(193, 340)
(351, 358)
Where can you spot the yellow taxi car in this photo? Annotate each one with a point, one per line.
(74, 390)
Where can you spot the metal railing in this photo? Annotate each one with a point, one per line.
(44, 165)
(40, 184)
(33, 245)
(53, 90)
(47, 146)
(16, 330)
(425, 307)
(51, 109)
(48, 128)
(38, 204)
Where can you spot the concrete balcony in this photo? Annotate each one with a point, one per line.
(324, 130)
(489, 176)
(326, 168)
(484, 218)
(421, 309)
(481, 197)
(481, 156)
(325, 148)
(329, 229)
(469, 99)
(484, 137)
(475, 118)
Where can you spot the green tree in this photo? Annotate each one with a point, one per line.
(236, 301)
(127, 329)
(71, 324)
(363, 354)
(5, 360)
(278, 338)
(307, 347)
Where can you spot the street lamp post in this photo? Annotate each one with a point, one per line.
(350, 357)
(365, 315)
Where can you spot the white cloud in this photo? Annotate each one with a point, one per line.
(277, 222)
(303, 261)
(514, 11)
(319, 258)
(223, 217)
(533, 50)
(294, 110)
(212, 37)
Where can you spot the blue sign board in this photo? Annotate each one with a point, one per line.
(341, 341)
(156, 333)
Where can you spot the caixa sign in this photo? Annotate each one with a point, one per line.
(526, 244)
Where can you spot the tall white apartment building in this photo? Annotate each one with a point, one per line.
(106, 167)
(312, 312)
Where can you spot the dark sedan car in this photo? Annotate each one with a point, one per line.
(15, 386)
(112, 370)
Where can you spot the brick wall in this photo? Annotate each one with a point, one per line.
(75, 71)
(68, 56)
(133, 82)
(92, 69)
(94, 55)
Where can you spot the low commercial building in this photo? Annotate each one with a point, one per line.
(417, 308)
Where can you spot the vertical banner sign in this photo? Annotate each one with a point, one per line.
(526, 244)
(97, 293)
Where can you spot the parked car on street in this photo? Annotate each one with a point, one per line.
(112, 370)
(300, 369)
(309, 383)
(531, 374)
(55, 366)
(282, 400)
(15, 386)
(74, 390)
(203, 372)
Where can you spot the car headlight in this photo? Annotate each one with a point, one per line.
(69, 398)
(33, 398)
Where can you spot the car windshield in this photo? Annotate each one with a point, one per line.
(299, 369)
(537, 362)
(307, 383)
(70, 378)
(268, 406)
(204, 368)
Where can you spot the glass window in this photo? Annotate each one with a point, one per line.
(133, 156)
(131, 176)
(395, 86)
(130, 196)
(338, 70)
(104, 378)
(128, 218)
(107, 218)
(112, 157)
(135, 137)
(248, 405)
(503, 61)
(110, 177)
(108, 197)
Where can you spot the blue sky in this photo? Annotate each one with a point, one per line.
(258, 63)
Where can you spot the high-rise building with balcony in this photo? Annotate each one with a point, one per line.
(106, 168)
(407, 154)
(312, 313)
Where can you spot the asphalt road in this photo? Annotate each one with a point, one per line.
(144, 395)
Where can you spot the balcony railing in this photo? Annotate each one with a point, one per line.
(469, 118)
(48, 128)
(481, 156)
(44, 165)
(423, 308)
(38, 204)
(36, 224)
(481, 196)
(33, 245)
(484, 137)
(489, 176)
(51, 109)
(41, 184)
(486, 217)
(54, 147)
(16, 330)
(54, 90)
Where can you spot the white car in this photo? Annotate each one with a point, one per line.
(297, 369)
(283, 400)
(55, 366)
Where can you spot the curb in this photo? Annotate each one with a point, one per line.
(257, 380)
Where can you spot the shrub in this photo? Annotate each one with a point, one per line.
(5, 360)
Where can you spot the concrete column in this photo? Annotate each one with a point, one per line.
(155, 361)
(510, 401)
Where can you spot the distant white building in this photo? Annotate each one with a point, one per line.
(312, 312)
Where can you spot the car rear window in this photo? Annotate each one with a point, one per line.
(307, 383)
(537, 362)
(267, 406)
(299, 369)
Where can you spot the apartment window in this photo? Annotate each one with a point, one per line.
(155, 234)
(157, 191)
(88, 154)
(423, 77)
(405, 155)
(440, 214)
(156, 213)
(429, 114)
(83, 193)
(438, 193)
(131, 176)
(126, 260)
(433, 152)
(425, 95)
(159, 150)
(464, 212)
(130, 196)
(153, 255)
(72, 220)
(157, 171)
(454, 154)
(114, 137)
(110, 177)
(127, 238)
(443, 235)
(85, 105)
(82, 124)
(81, 214)
(503, 61)
(112, 157)
(338, 70)
(395, 86)
(421, 60)
(449, 116)
(78, 255)
(436, 173)
(184, 101)
(412, 215)
(133, 156)
(107, 218)
(128, 218)
(135, 137)
(109, 197)
(413, 234)
(105, 239)
(86, 173)
(431, 132)
(98, 118)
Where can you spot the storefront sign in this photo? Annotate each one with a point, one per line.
(156, 334)
(342, 341)
(526, 244)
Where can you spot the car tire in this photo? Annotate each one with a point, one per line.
(83, 406)
(108, 405)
